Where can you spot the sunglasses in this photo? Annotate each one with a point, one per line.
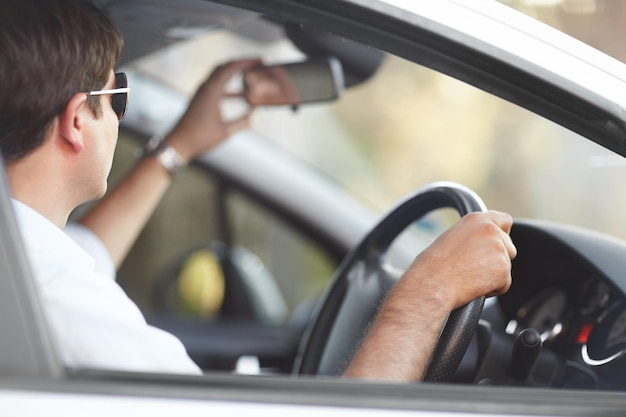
(119, 95)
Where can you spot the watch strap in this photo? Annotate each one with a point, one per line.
(167, 156)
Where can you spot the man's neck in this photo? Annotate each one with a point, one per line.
(34, 185)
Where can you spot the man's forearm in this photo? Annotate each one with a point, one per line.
(400, 342)
(121, 215)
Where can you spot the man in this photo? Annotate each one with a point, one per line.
(60, 106)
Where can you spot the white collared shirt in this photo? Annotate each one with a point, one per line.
(93, 322)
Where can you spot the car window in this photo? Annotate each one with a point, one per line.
(418, 126)
(377, 141)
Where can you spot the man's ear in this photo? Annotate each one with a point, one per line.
(73, 121)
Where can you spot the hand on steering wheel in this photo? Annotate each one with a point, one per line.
(363, 280)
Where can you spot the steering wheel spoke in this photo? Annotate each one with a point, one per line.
(362, 282)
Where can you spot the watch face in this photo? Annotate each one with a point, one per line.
(170, 159)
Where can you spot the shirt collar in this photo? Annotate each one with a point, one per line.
(43, 237)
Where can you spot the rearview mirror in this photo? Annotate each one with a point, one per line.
(294, 83)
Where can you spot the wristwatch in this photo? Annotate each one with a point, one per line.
(167, 156)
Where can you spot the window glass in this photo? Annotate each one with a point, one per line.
(301, 267)
(407, 126)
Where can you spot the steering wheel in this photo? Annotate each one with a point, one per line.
(362, 281)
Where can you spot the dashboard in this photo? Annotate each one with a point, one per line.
(568, 285)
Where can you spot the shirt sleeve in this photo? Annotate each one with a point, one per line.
(95, 325)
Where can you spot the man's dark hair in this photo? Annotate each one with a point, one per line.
(49, 51)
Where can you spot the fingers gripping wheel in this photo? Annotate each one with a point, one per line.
(362, 281)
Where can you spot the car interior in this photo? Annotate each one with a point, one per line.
(250, 258)
(244, 231)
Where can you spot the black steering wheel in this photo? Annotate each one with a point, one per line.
(362, 281)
